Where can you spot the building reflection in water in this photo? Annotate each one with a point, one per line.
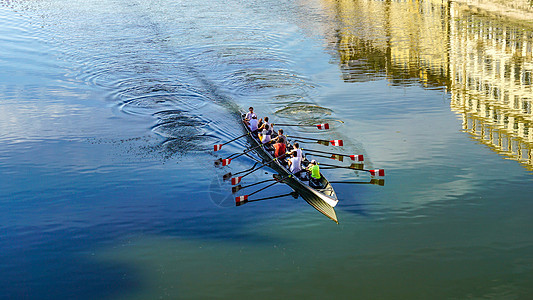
(485, 62)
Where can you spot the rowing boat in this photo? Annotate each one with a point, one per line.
(322, 198)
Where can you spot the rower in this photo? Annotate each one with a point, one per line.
(314, 180)
(295, 163)
(250, 114)
(296, 149)
(266, 135)
(264, 123)
(252, 124)
(279, 149)
(281, 138)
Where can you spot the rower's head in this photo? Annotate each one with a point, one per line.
(266, 119)
(251, 109)
(313, 162)
(293, 154)
(254, 117)
(280, 132)
(296, 145)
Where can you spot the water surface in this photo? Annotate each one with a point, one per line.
(109, 110)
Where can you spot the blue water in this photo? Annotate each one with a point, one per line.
(109, 111)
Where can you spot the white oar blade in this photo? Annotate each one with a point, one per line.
(323, 126)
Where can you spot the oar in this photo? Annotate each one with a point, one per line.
(353, 166)
(245, 197)
(321, 141)
(376, 181)
(228, 175)
(359, 157)
(227, 161)
(236, 180)
(294, 194)
(319, 126)
(219, 146)
(359, 167)
(237, 188)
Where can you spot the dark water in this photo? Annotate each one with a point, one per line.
(109, 110)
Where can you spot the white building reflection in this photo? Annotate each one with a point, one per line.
(491, 68)
(485, 62)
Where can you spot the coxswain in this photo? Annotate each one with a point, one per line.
(266, 135)
(315, 173)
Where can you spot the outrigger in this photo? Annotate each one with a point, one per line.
(321, 195)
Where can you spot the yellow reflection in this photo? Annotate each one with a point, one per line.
(491, 68)
(486, 63)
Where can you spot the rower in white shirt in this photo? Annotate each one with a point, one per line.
(296, 149)
(252, 124)
(250, 114)
(295, 163)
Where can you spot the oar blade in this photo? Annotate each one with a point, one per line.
(323, 126)
(339, 143)
(356, 166)
(337, 157)
(218, 162)
(240, 200)
(226, 176)
(359, 157)
(377, 172)
(377, 181)
(236, 188)
(217, 147)
(226, 161)
(323, 142)
(236, 180)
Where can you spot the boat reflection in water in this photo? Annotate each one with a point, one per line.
(482, 60)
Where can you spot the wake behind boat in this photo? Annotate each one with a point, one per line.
(319, 193)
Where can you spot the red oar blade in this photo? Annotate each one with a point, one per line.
(377, 172)
(241, 200)
(337, 143)
(357, 157)
(236, 180)
(226, 161)
(323, 126)
(217, 147)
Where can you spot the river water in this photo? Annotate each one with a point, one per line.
(109, 111)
